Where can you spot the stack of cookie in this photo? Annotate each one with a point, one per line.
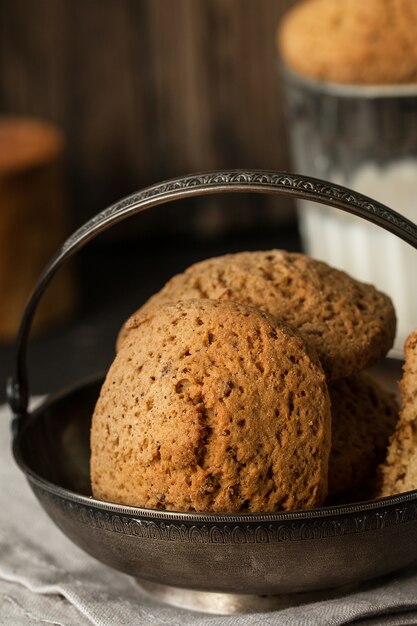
(240, 387)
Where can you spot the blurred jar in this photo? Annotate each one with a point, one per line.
(357, 134)
(33, 221)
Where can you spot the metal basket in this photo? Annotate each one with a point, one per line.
(178, 555)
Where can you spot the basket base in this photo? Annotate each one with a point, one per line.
(234, 603)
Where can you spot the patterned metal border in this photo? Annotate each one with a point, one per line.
(231, 532)
(255, 181)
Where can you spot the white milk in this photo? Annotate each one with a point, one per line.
(366, 251)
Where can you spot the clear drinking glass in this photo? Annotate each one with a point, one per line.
(363, 137)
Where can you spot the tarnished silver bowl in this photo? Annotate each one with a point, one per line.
(261, 554)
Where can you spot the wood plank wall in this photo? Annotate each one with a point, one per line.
(149, 89)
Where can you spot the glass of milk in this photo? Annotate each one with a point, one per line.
(365, 138)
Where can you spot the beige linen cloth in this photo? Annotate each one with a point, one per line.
(45, 579)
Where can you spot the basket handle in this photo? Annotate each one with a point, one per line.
(297, 186)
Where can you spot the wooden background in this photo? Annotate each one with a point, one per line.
(149, 89)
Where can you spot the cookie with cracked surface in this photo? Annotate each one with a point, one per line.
(364, 416)
(350, 324)
(398, 473)
(351, 42)
(212, 406)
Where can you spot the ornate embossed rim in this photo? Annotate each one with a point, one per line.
(160, 515)
(347, 90)
(240, 180)
(38, 482)
(231, 530)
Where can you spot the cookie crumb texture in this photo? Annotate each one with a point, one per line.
(372, 42)
(399, 472)
(364, 417)
(212, 406)
(350, 324)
